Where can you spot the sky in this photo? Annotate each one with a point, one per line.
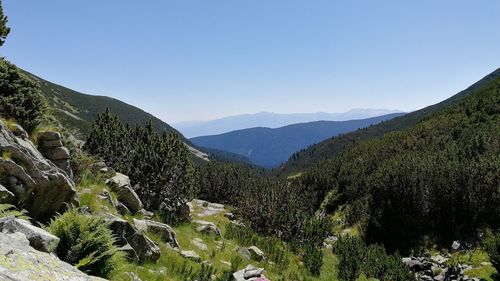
(203, 59)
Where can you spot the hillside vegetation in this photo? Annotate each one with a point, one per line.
(331, 147)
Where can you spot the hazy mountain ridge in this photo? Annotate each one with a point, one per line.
(269, 147)
(271, 120)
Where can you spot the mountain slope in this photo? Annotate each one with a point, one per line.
(76, 111)
(271, 120)
(269, 148)
(437, 179)
(332, 147)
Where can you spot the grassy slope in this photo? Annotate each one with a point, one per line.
(334, 146)
(76, 111)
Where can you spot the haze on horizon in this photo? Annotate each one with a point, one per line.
(193, 60)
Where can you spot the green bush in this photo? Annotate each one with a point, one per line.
(20, 97)
(356, 258)
(492, 245)
(86, 242)
(313, 259)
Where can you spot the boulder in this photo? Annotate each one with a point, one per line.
(207, 227)
(198, 243)
(51, 146)
(250, 273)
(146, 214)
(37, 237)
(125, 233)
(6, 197)
(122, 209)
(256, 253)
(243, 252)
(191, 255)
(166, 232)
(120, 184)
(19, 131)
(38, 185)
(19, 261)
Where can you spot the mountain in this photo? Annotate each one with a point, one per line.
(270, 120)
(76, 111)
(269, 147)
(434, 182)
(331, 147)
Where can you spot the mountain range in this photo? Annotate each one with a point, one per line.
(270, 147)
(270, 120)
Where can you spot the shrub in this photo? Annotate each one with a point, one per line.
(20, 97)
(313, 259)
(86, 242)
(356, 258)
(492, 245)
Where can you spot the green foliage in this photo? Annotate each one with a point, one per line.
(355, 258)
(437, 179)
(4, 29)
(7, 210)
(492, 245)
(86, 242)
(20, 97)
(159, 164)
(313, 259)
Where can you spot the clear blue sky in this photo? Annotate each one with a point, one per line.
(201, 59)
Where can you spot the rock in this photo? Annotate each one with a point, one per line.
(51, 146)
(256, 253)
(122, 209)
(199, 244)
(106, 196)
(125, 233)
(19, 131)
(207, 227)
(439, 259)
(19, 261)
(243, 252)
(226, 263)
(120, 184)
(133, 276)
(39, 185)
(6, 197)
(146, 214)
(129, 252)
(230, 216)
(249, 273)
(166, 232)
(37, 237)
(455, 245)
(192, 255)
(203, 208)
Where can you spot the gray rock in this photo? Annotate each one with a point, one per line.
(37, 237)
(192, 255)
(207, 227)
(6, 197)
(256, 253)
(198, 243)
(243, 252)
(44, 136)
(19, 131)
(39, 186)
(120, 184)
(249, 273)
(125, 233)
(166, 232)
(122, 209)
(21, 262)
(146, 214)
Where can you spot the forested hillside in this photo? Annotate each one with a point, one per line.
(434, 182)
(269, 148)
(331, 147)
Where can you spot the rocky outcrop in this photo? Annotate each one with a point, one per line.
(6, 197)
(37, 184)
(19, 261)
(166, 233)
(256, 253)
(133, 242)
(120, 185)
(250, 273)
(203, 208)
(37, 237)
(51, 146)
(434, 268)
